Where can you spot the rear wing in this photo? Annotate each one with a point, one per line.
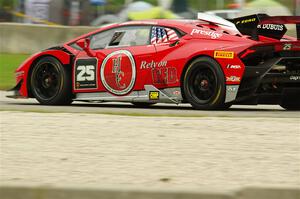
(265, 25)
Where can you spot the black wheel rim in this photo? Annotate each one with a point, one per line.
(202, 84)
(46, 81)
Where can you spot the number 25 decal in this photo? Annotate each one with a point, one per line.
(87, 73)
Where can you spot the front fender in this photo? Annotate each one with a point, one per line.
(23, 71)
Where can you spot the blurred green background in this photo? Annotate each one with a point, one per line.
(200, 5)
(8, 64)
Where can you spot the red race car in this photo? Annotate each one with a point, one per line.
(210, 63)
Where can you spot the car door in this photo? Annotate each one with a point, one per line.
(123, 57)
(118, 55)
(86, 68)
(166, 42)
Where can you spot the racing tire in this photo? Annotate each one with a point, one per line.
(143, 104)
(204, 84)
(50, 82)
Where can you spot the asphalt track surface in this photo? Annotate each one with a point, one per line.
(116, 144)
(181, 110)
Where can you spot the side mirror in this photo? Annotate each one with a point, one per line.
(84, 43)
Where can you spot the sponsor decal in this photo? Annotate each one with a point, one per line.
(164, 75)
(287, 47)
(246, 21)
(161, 73)
(232, 89)
(176, 93)
(118, 72)
(153, 64)
(229, 66)
(277, 27)
(154, 95)
(85, 73)
(295, 78)
(233, 79)
(210, 33)
(224, 54)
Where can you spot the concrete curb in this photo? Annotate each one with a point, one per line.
(269, 193)
(9, 192)
(18, 192)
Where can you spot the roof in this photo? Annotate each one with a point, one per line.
(182, 24)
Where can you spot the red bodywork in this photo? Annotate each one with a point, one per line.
(161, 65)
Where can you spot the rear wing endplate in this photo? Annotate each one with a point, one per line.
(265, 25)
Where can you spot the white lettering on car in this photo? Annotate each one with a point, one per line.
(86, 73)
(233, 66)
(211, 34)
(271, 27)
(295, 78)
(153, 64)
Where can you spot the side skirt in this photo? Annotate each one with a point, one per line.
(150, 94)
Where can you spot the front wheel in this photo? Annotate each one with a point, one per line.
(204, 84)
(50, 82)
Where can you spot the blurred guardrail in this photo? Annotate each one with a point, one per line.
(28, 39)
(13, 192)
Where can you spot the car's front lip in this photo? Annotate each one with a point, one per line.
(15, 91)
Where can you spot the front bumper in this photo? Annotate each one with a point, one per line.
(15, 91)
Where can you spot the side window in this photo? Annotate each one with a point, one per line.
(116, 39)
(101, 40)
(130, 36)
(163, 35)
(75, 46)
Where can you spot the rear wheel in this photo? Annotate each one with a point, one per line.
(50, 82)
(204, 84)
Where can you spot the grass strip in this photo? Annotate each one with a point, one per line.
(8, 64)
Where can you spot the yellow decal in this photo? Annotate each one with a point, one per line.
(154, 95)
(224, 54)
(245, 21)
